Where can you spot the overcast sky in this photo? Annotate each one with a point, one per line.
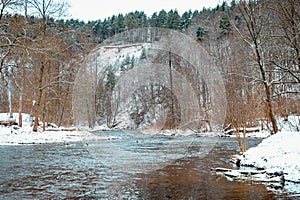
(100, 9)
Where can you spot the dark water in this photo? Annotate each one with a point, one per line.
(75, 171)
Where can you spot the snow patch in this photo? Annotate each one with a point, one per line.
(15, 135)
(280, 151)
(279, 156)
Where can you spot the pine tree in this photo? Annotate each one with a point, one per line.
(110, 79)
(154, 20)
(127, 60)
(223, 6)
(185, 20)
(173, 19)
(232, 4)
(162, 19)
(126, 63)
(201, 31)
(224, 24)
(143, 54)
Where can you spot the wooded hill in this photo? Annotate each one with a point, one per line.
(255, 44)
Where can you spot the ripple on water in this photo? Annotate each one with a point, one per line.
(58, 171)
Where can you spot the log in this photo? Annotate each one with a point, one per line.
(9, 122)
(61, 129)
(221, 169)
(248, 130)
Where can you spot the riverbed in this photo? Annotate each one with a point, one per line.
(133, 166)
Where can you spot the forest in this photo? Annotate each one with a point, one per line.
(255, 44)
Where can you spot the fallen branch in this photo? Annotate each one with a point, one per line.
(248, 130)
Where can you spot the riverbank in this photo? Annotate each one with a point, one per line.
(15, 135)
(275, 162)
(279, 152)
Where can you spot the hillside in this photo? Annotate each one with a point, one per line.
(41, 58)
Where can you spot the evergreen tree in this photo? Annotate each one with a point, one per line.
(162, 19)
(127, 60)
(201, 31)
(185, 20)
(154, 20)
(120, 22)
(223, 7)
(224, 24)
(143, 54)
(173, 19)
(142, 17)
(126, 63)
(232, 4)
(110, 79)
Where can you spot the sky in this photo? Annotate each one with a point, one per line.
(99, 9)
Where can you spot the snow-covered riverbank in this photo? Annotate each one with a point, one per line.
(280, 152)
(275, 161)
(9, 136)
(15, 135)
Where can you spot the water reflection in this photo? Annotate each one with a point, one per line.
(194, 181)
(68, 171)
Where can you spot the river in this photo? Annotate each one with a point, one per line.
(132, 167)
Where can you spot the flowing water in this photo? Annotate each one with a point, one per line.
(140, 167)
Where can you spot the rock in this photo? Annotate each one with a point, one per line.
(220, 169)
(275, 173)
(251, 172)
(236, 160)
(259, 168)
(232, 174)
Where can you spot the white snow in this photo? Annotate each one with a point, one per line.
(290, 123)
(114, 55)
(14, 135)
(259, 134)
(279, 152)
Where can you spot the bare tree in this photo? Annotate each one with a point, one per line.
(256, 20)
(47, 9)
(8, 4)
(47, 50)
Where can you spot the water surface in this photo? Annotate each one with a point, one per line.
(74, 171)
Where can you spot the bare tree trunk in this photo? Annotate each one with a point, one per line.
(252, 14)
(270, 110)
(38, 102)
(21, 106)
(9, 96)
(61, 114)
(172, 120)
(26, 8)
(267, 88)
(44, 116)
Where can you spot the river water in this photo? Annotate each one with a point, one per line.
(133, 167)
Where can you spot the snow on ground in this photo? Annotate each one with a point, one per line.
(291, 123)
(259, 134)
(10, 136)
(14, 135)
(190, 132)
(279, 152)
(275, 162)
(116, 54)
